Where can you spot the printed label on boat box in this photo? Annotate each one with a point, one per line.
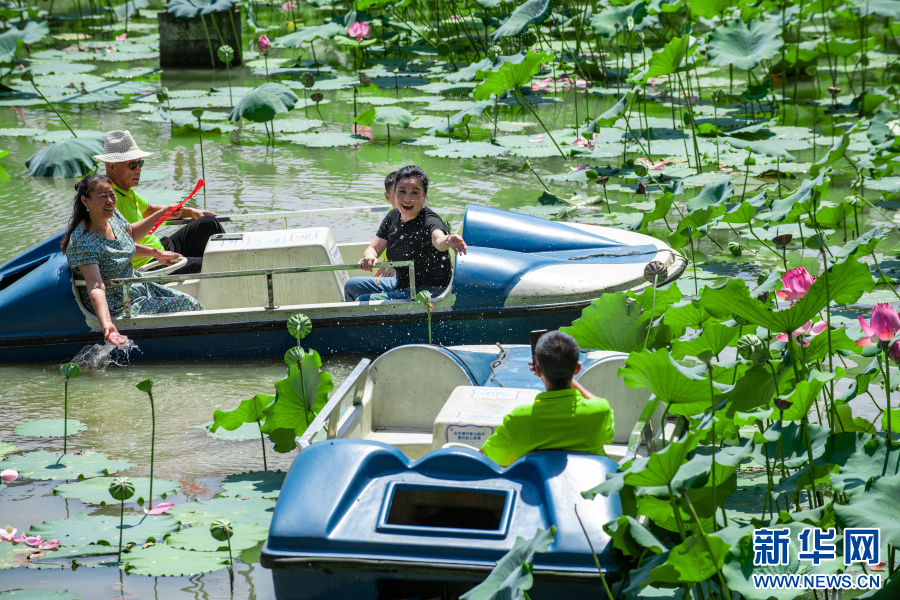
(262, 239)
(335, 254)
(470, 416)
(495, 393)
(474, 435)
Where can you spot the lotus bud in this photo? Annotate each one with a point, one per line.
(751, 348)
(494, 51)
(782, 405)
(617, 25)
(264, 44)
(864, 60)
(162, 94)
(834, 91)
(528, 39)
(308, 80)
(782, 240)
(735, 248)
(641, 188)
(317, 97)
(28, 75)
(226, 54)
(121, 489)
(221, 530)
(655, 271)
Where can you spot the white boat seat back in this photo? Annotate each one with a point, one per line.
(627, 404)
(272, 250)
(411, 385)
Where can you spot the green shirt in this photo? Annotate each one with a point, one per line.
(132, 206)
(558, 420)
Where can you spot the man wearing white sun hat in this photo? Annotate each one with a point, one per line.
(124, 161)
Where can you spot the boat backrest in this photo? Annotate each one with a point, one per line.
(601, 379)
(272, 250)
(411, 385)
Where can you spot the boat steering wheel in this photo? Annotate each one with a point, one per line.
(154, 267)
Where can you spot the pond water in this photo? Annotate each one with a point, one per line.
(245, 175)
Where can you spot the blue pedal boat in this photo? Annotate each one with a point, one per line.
(521, 273)
(389, 497)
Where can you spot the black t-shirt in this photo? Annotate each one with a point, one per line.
(412, 241)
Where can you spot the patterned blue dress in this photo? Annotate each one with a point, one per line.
(114, 258)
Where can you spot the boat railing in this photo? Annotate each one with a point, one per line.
(291, 214)
(269, 273)
(354, 386)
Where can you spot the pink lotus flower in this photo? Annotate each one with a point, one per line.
(581, 83)
(650, 165)
(160, 508)
(794, 285)
(358, 31)
(585, 143)
(881, 328)
(542, 85)
(578, 168)
(455, 17)
(9, 475)
(537, 139)
(8, 534)
(49, 545)
(33, 541)
(122, 38)
(264, 44)
(287, 6)
(804, 335)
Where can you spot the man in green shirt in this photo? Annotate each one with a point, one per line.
(124, 161)
(565, 417)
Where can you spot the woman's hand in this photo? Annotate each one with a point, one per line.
(386, 272)
(174, 215)
(456, 242)
(164, 257)
(112, 335)
(366, 263)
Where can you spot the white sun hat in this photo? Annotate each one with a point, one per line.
(119, 146)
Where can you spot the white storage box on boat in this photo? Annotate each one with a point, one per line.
(272, 250)
(472, 414)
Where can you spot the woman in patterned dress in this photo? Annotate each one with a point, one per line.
(99, 245)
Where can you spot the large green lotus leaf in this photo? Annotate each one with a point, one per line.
(70, 552)
(772, 149)
(508, 574)
(667, 380)
(793, 444)
(162, 560)
(883, 8)
(326, 140)
(667, 60)
(661, 298)
(691, 562)
(50, 428)
(248, 411)
(66, 159)
(308, 34)
(712, 194)
(256, 511)
(21, 132)
(471, 72)
(461, 118)
(864, 244)
(871, 461)
(631, 537)
(254, 484)
(468, 150)
(890, 589)
(39, 595)
(743, 45)
(6, 448)
(188, 9)
(604, 22)
(687, 313)
(531, 12)
(247, 431)
(806, 392)
(791, 207)
(43, 465)
(714, 338)
(834, 154)
(510, 75)
(611, 322)
(386, 115)
(33, 32)
(609, 118)
(199, 538)
(300, 396)
(840, 344)
(847, 281)
(264, 102)
(710, 8)
(81, 529)
(96, 490)
(14, 555)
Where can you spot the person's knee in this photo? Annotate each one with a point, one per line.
(353, 288)
(209, 224)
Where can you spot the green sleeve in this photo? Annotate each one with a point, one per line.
(141, 204)
(610, 427)
(498, 447)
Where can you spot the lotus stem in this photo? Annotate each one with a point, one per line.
(652, 310)
(230, 566)
(152, 448)
(609, 594)
(122, 525)
(428, 312)
(50, 104)
(212, 59)
(715, 491)
(677, 512)
(828, 330)
(66, 417)
(228, 72)
(266, 62)
(887, 396)
(519, 98)
(262, 439)
(687, 500)
(694, 266)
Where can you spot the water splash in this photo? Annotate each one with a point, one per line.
(100, 356)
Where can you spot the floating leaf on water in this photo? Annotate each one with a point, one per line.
(50, 428)
(38, 595)
(257, 511)
(21, 132)
(246, 535)
(64, 134)
(96, 490)
(163, 560)
(262, 484)
(326, 140)
(81, 529)
(286, 125)
(6, 448)
(468, 150)
(42, 465)
(14, 555)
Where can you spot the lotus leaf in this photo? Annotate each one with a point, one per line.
(805, 393)
(33, 32)
(248, 411)
(864, 244)
(468, 150)
(264, 102)
(667, 380)
(833, 155)
(471, 72)
(188, 9)
(611, 322)
(743, 45)
(509, 76)
(257, 511)
(326, 140)
(793, 443)
(96, 490)
(631, 537)
(531, 12)
(712, 194)
(386, 115)
(871, 461)
(81, 529)
(710, 8)
(6, 448)
(714, 338)
(461, 118)
(691, 562)
(14, 555)
(308, 34)
(33, 594)
(262, 484)
(668, 60)
(164, 560)
(247, 431)
(199, 538)
(50, 427)
(69, 158)
(43, 465)
(512, 572)
(604, 22)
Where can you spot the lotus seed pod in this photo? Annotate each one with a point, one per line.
(221, 530)
(494, 51)
(308, 80)
(528, 39)
(602, 180)
(162, 94)
(121, 489)
(28, 75)
(834, 91)
(655, 271)
(640, 169)
(750, 347)
(70, 370)
(226, 54)
(782, 405)
(782, 240)
(763, 297)
(735, 248)
(317, 97)
(444, 49)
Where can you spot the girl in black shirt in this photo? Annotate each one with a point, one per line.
(411, 231)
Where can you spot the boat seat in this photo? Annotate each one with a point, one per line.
(414, 443)
(272, 250)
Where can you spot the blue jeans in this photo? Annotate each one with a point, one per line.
(363, 289)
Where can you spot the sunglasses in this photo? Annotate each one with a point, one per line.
(135, 164)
